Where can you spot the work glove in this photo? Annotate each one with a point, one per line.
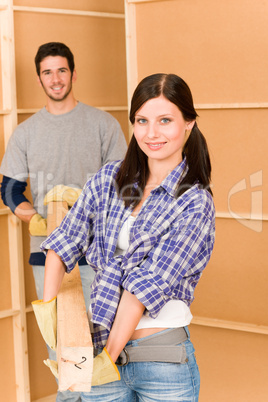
(38, 225)
(46, 317)
(63, 193)
(53, 366)
(104, 369)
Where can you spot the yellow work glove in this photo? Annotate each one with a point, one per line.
(53, 366)
(62, 193)
(46, 317)
(104, 369)
(38, 226)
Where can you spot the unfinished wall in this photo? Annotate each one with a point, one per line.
(219, 48)
(95, 32)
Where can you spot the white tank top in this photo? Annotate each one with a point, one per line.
(175, 313)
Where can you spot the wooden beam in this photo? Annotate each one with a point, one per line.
(232, 325)
(212, 106)
(5, 211)
(74, 344)
(106, 108)
(68, 12)
(14, 225)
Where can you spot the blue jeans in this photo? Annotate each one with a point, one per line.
(150, 381)
(87, 275)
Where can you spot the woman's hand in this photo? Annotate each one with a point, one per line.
(129, 313)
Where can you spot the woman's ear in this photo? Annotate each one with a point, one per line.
(189, 125)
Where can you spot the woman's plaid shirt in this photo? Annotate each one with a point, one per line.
(170, 244)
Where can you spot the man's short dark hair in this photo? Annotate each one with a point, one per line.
(53, 49)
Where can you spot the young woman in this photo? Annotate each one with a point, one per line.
(146, 225)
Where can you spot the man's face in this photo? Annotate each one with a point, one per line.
(56, 78)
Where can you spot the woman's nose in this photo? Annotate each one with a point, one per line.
(152, 131)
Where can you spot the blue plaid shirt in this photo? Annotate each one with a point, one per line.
(170, 244)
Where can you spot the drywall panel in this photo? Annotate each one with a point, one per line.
(217, 46)
(233, 365)
(234, 284)
(5, 283)
(99, 49)
(7, 377)
(237, 140)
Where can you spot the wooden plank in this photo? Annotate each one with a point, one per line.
(68, 12)
(106, 108)
(74, 344)
(5, 211)
(232, 325)
(252, 105)
(131, 53)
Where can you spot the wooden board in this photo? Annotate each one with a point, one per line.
(74, 344)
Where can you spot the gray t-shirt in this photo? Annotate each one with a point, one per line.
(61, 149)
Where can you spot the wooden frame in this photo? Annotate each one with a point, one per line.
(9, 113)
(18, 311)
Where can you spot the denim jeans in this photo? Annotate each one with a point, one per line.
(87, 275)
(150, 381)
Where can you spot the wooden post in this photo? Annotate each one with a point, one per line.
(74, 344)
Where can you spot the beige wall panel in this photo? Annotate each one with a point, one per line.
(217, 46)
(7, 369)
(237, 140)
(5, 283)
(99, 48)
(111, 6)
(42, 381)
(233, 365)
(234, 284)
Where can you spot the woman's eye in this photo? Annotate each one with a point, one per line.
(165, 120)
(141, 121)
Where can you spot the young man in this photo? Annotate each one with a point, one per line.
(63, 144)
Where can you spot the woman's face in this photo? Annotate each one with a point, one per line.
(159, 129)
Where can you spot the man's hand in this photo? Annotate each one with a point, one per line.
(38, 225)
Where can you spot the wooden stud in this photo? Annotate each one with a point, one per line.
(14, 225)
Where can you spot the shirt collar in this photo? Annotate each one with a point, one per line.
(170, 183)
